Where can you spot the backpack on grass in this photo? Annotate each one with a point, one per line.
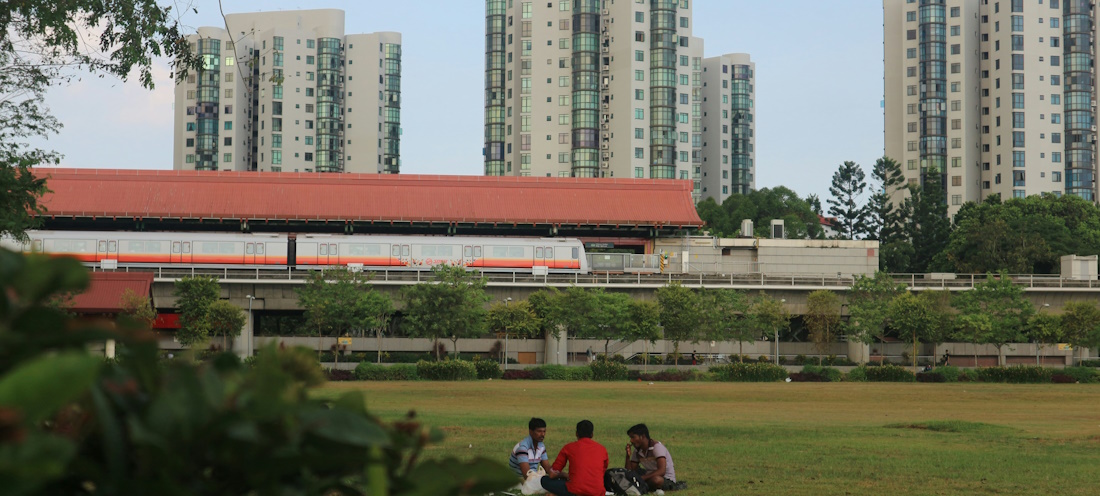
(623, 482)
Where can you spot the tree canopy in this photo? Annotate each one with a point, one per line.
(452, 306)
(762, 206)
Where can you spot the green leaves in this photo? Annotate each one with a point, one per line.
(38, 388)
(194, 296)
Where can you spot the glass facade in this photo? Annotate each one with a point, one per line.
(742, 114)
(206, 105)
(391, 148)
(330, 88)
(933, 91)
(662, 89)
(586, 88)
(1078, 81)
(494, 87)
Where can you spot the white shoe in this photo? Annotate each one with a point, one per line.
(659, 492)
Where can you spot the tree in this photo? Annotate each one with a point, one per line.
(767, 316)
(822, 319)
(340, 302)
(913, 316)
(1004, 303)
(847, 188)
(762, 206)
(884, 218)
(680, 315)
(452, 306)
(1043, 329)
(516, 319)
(942, 316)
(1081, 324)
(815, 204)
(226, 320)
(868, 307)
(973, 328)
(724, 313)
(927, 228)
(42, 44)
(611, 318)
(644, 322)
(194, 295)
(138, 308)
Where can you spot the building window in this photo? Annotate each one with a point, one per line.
(639, 152)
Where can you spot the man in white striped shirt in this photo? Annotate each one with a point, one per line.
(530, 452)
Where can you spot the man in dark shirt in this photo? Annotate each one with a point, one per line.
(587, 462)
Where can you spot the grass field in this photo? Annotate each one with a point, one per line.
(789, 438)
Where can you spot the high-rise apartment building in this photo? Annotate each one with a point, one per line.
(289, 91)
(992, 96)
(729, 128)
(587, 88)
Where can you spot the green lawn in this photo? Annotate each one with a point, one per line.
(790, 438)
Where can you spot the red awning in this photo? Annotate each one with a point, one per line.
(104, 294)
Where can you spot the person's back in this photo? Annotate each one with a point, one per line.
(587, 461)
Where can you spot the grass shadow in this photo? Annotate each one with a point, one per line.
(953, 426)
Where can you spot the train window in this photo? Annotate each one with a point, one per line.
(576, 253)
(187, 247)
(356, 249)
(228, 247)
(375, 250)
(248, 250)
(135, 246)
(467, 252)
(332, 250)
(538, 252)
(515, 251)
(549, 252)
(404, 250)
(259, 248)
(112, 246)
(500, 252)
(152, 246)
(38, 245)
(324, 250)
(395, 251)
(80, 246)
(427, 250)
(103, 246)
(477, 252)
(175, 246)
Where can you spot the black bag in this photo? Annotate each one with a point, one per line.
(623, 482)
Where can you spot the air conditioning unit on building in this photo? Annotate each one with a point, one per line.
(606, 49)
(606, 12)
(605, 146)
(607, 106)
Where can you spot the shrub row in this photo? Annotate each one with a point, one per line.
(749, 372)
(367, 371)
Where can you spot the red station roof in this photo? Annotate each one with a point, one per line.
(104, 293)
(145, 194)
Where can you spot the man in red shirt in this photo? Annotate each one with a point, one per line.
(587, 461)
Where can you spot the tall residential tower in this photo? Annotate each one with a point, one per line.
(585, 88)
(992, 96)
(278, 92)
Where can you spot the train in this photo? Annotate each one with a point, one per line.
(309, 251)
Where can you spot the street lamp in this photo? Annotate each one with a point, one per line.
(251, 331)
(507, 303)
(781, 302)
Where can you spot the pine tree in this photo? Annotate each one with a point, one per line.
(928, 228)
(883, 221)
(847, 188)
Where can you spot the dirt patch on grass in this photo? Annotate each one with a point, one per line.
(953, 426)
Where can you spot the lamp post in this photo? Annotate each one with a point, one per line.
(507, 303)
(781, 302)
(251, 332)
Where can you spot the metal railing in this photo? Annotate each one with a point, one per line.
(954, 282)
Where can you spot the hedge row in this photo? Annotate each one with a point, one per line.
(461, 370)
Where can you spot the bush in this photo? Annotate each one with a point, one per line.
(1084, 375)
(889, 373)
(808, 377)
(339, 375)
(367, 371)
(1090, 363)
(858, 374)
(562, 373)
(447, 370)
(606, 370)
(518, 374)
(828, 374)
(764, 359)
(749, 372)
(1062, 379)
(949, 373)
(1028, 374)
(930, 377)
(669, 375)
(487, 369)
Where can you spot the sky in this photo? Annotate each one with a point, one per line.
(819, 84)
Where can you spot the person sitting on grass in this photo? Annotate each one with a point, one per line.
(587, 462)
(530, 452)
(651, 460)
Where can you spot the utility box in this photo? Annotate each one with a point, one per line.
(747, 228)
(778, 230)
(1079, 268)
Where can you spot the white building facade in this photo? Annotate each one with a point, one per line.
(290, 92)
(992, 97)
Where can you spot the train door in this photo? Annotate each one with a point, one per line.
(327, 254)
(543, 257)
(106, 249)
(399, 255)
(471, 256)
(185, 257)
(254, 253)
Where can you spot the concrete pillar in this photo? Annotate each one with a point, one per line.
(241, 344)
(859, 352)
(109, 349)
(557, 348)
